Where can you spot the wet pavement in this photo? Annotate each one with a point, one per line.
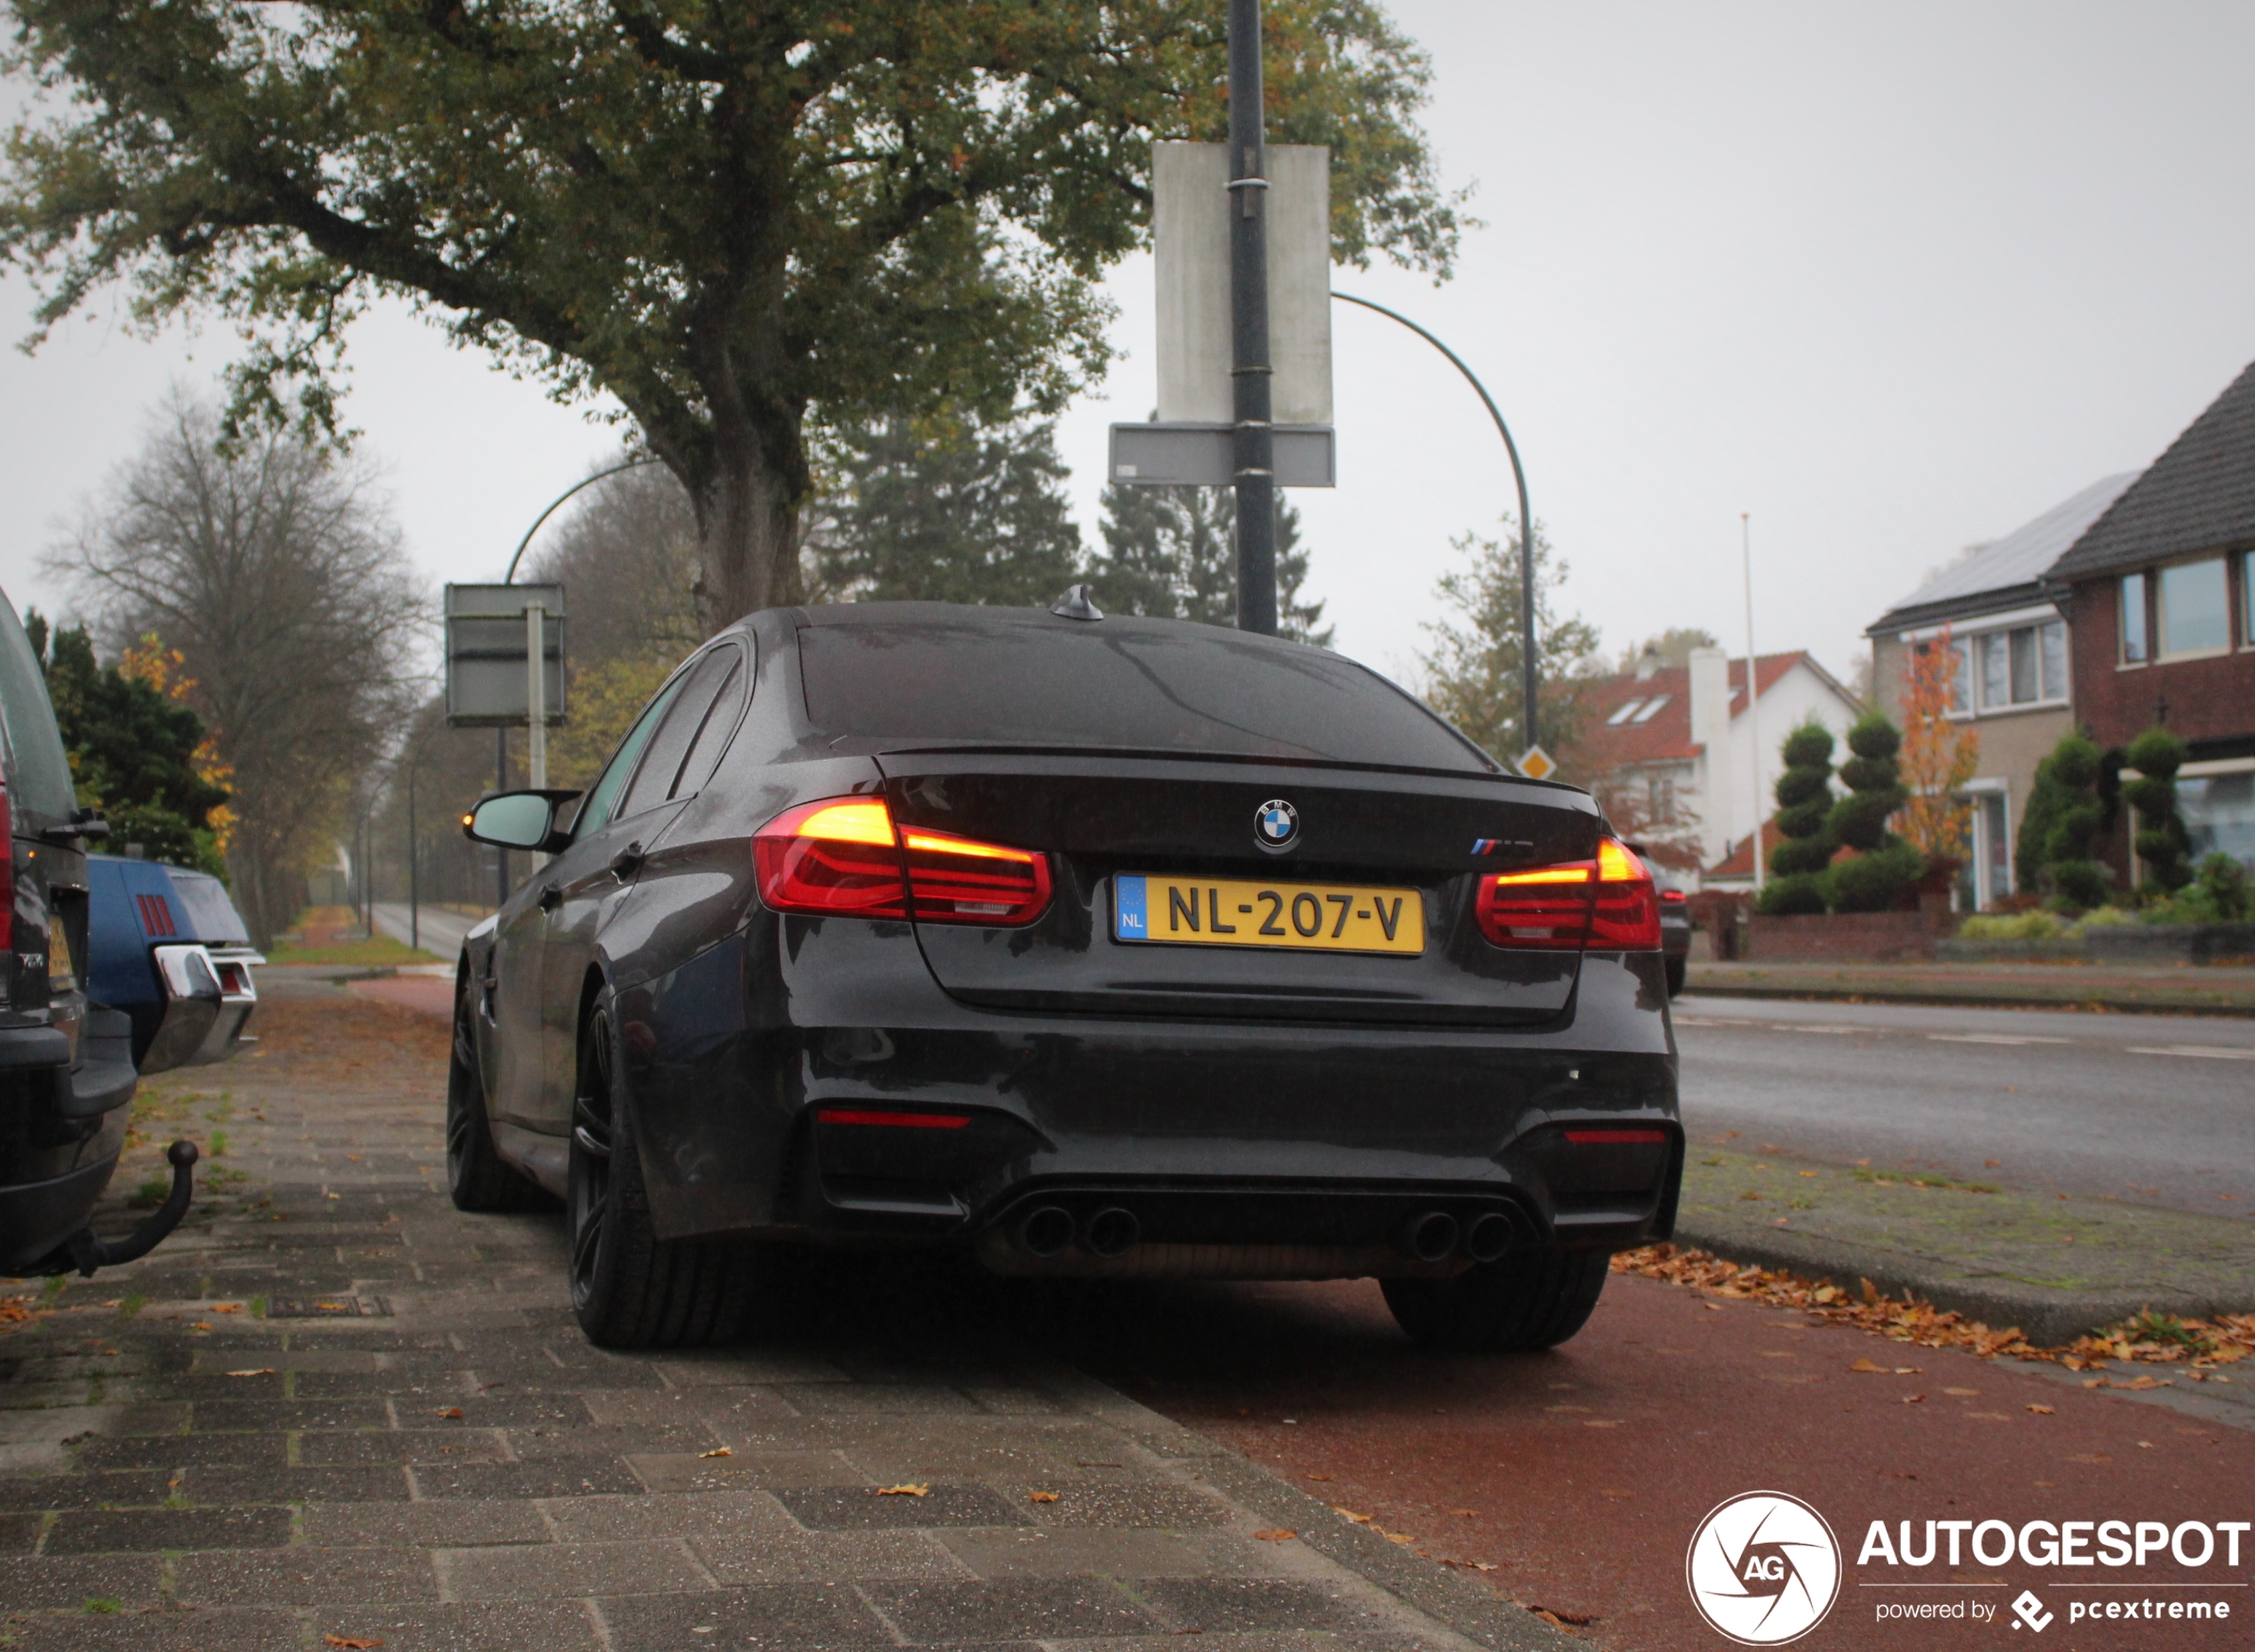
(398, 1435)
(332, 1412)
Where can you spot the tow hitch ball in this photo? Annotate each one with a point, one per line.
(85, 1253)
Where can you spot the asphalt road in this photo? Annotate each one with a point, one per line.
(2156, 1109)
(442, 930)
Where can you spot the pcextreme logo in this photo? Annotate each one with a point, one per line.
(1763, 1569)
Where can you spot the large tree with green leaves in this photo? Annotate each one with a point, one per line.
(734, 218)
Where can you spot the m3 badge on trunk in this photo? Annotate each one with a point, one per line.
(1275, 825)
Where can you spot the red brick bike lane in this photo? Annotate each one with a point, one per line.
(1573, 1480)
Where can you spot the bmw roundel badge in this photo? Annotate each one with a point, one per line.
(1275, 825)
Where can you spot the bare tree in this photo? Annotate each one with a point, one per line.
(275, 569)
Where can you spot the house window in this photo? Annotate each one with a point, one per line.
(1652, 706)
(2134, 618)
(2196, 615)
(1659, 799)
(1996, 672)
(2052, 639)
(2025, 666)
(1961, 684)
(1623, 715)
(2247, 599)
(2218, 812)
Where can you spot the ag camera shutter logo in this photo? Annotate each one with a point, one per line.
(1763, 1569)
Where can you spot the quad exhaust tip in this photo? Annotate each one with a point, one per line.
(1488, 1237)
(1111, 1233)
(1046, 1230)
(1430, 1237)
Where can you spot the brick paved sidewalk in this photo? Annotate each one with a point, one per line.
(453, 1465)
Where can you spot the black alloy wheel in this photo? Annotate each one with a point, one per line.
(1528, 1301)
(476, 1175)
(629, 1288)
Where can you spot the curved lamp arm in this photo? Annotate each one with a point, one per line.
(1526, 522)
(510, 578)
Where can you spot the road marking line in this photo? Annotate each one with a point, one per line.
(1795, 1026)
(2207, 1052)
(1995, 1037)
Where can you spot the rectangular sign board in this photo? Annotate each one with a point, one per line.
(1191, 205)
(1200, 455)
(485, 654)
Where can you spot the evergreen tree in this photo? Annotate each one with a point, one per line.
(2162, 843)
(2065, 814)
(1170, 553)
(949, 511)
(1804, 793)
(133, 751)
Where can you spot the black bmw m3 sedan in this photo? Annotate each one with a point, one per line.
(1101, 947)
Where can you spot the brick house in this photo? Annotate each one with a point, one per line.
(2156, 595)
(1675, 742)
(2013, 683)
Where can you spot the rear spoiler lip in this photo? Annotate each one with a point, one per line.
(1262, 760)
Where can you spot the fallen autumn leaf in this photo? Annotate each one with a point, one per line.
(904, 1491)
(718, 1450)
(1281, 1534)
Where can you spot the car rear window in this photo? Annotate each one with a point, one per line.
(1119, 683)
(41, 778)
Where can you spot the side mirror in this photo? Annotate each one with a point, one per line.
(519, 820)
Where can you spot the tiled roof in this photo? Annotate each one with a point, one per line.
(1665, 735)
(2005, 574)
(1739, 863)
(2198, 495)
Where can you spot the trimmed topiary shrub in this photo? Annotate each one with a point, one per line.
(2064, 814)
(1791, 895)
(1877, 882)
(2161, 841)
(1875, 786)
(1805, 802)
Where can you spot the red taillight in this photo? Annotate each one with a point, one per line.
(1673, 898)
(898, 1121)
(843, 857)
(7, 874)
(1607, 903)
(1625, 914)
(1615, 1138)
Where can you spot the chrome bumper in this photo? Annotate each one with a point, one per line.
(209, 996)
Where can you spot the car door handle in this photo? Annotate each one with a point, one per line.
(551, 897)
(626, 862)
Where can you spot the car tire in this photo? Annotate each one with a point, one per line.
(476, 1175)
(631, 1289)
(1521, 1304)
(1676, 967)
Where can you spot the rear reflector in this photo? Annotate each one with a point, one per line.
(897, 1121)
(1615, 1138)
(1604, 905)
(1673, 897)
(842, 856)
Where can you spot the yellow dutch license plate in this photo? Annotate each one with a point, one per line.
(1238, 911)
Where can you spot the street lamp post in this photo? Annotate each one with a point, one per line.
(1528, 672)
(1252, 401)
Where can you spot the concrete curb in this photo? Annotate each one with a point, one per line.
(1478, 1614)
(2047, 1316)
(2003, 999)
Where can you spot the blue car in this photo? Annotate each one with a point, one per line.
(171, 951)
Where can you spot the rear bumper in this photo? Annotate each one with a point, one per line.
(206, 998)
(1239, 1150)
(61, 1130)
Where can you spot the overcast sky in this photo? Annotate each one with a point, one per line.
(1892, 278)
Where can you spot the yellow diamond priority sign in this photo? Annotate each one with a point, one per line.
(1536, 764)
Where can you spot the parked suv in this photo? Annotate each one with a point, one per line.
(66, 1065)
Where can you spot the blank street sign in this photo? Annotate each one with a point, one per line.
(485, 654)
(1199, 455)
